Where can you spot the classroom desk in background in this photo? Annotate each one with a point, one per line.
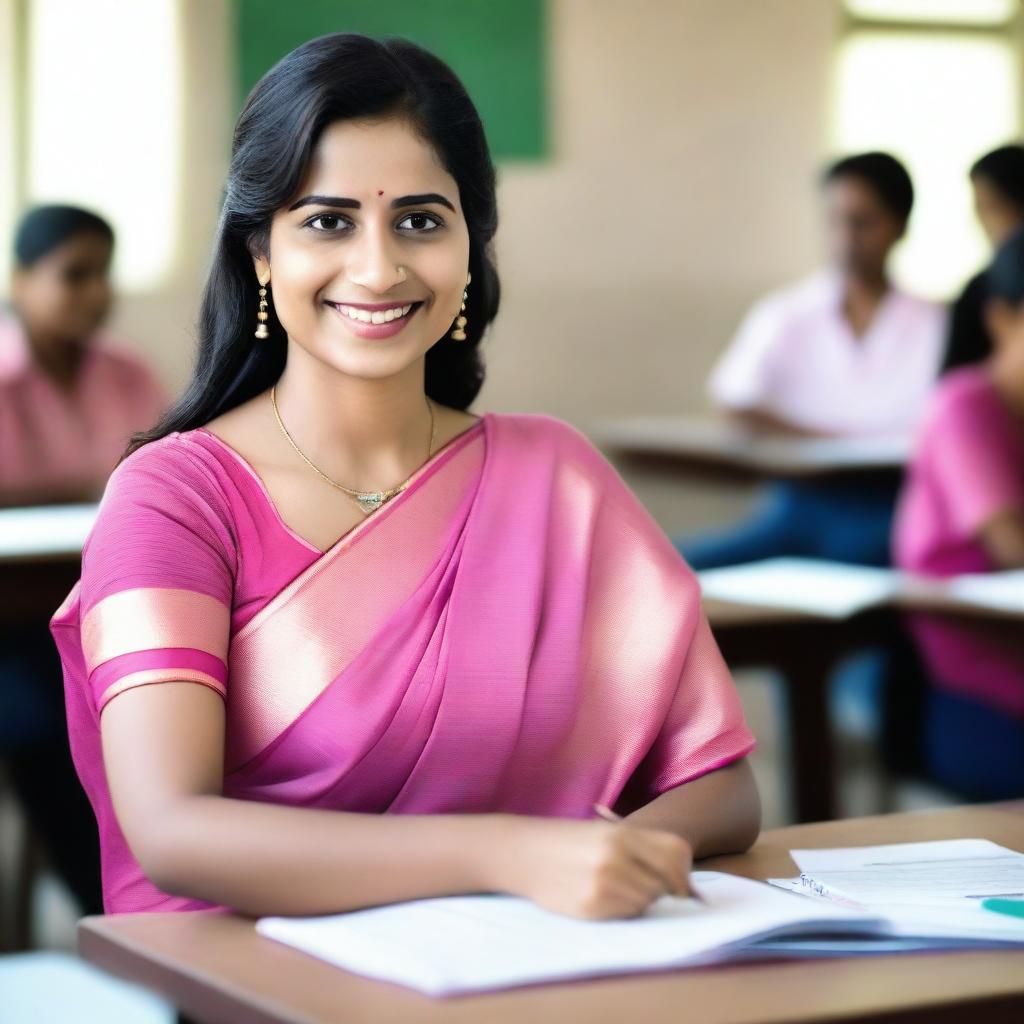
(805, 648)
(215, 968)
(717, 447)
(40, 559)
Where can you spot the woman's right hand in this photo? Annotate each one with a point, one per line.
(591, 869)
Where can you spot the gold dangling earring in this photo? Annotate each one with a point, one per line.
(262, 316)
(459, 333)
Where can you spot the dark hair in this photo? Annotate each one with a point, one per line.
(334, 77)
(1004, 168)
(44, 228)
(1005, 275)
(883, 173)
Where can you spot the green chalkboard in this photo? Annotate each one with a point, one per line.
(497, 48)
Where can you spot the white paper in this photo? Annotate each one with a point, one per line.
(829, 589)
(468, 943)
(931, 890)
(995, 591)
(45, 529)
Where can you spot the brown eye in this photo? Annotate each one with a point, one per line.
(421, 223)
(328, 222)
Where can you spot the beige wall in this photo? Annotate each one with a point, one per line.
(686, 135)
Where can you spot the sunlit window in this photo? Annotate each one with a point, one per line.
(103, 100)
(937, 100)
(946, 12)
(8, 135)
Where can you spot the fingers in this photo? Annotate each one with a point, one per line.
(664, 855)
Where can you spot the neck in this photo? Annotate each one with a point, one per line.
(364, 433)
(1008, 381)
(865, 285)
(58, 358)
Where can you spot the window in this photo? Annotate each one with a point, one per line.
(102, 121)
(936, 96)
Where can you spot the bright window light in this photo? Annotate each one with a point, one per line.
(8, 136)
(104, 122)
(948, 12)
(937, 101)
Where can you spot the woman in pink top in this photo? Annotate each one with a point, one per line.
(962, 510)
(402, 650)
(70, 396)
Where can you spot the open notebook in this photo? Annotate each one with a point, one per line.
(456, 944)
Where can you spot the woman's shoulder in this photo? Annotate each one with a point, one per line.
(174, 474)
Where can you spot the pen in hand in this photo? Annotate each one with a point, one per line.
(609, 815)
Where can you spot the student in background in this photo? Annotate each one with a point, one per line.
(998, 182)
(962, 511)
(70, 395)
(70, 399)
(844, 352)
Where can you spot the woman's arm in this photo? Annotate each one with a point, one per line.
(163, 748)
(720, 812)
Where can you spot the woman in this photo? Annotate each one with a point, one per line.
(388, 604)
(963, 512)
(997, 179)
(70, 395)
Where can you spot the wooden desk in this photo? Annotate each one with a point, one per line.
(215, 967)
(719, 447)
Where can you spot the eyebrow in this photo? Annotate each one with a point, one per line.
(343, 203)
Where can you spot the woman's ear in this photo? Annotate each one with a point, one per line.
(262, 267)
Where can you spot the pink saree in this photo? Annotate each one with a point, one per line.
(511, 632)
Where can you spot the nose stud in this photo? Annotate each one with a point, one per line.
(401, 271)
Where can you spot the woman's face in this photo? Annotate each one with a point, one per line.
(375, 229)
(998, 217)
(65, 295)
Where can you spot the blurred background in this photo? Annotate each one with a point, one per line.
(658, 164)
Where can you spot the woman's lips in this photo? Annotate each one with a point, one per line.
(359, 319)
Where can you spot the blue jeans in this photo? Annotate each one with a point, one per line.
(846, 520)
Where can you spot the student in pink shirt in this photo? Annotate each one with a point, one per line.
(70, 399)
(70, 395)
(962, 511)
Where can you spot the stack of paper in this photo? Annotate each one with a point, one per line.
(929, 891)
(830, 589)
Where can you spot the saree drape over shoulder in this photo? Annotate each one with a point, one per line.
(511, 632)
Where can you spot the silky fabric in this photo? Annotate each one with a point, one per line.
(512, 632)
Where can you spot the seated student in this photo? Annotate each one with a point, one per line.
(844, 352)
(998, 182)
(70, 399)
(962, 510)
(340, 642)
(70, 395)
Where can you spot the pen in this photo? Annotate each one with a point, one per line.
(1014, 908)
(609, 815)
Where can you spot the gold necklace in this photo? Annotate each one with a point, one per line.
(368, 501)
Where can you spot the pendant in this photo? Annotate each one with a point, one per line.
(371, 501)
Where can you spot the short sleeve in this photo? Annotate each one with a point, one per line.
(976, 474)
(158, 574)
(742, 377)
(705, 728)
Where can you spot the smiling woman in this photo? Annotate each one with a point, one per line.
(289, 694)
